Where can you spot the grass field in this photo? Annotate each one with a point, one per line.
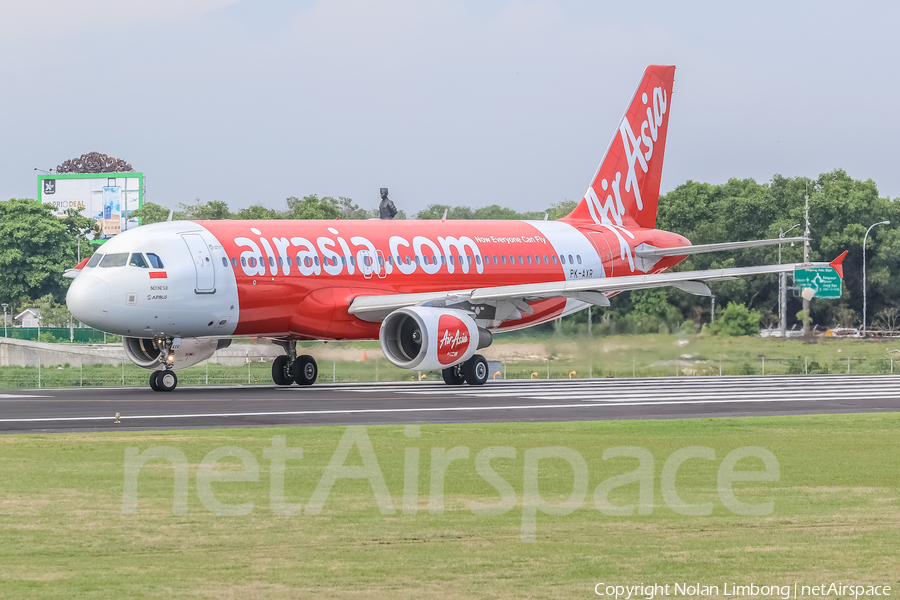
(836, 514)
(554, 357)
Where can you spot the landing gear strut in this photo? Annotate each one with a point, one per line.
(474, 372)
(165, 380)
(290, 368)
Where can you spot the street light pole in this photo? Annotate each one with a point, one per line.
(865, 238)
(782, 286)
(5, 306)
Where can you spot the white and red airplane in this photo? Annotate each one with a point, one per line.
(432, 292)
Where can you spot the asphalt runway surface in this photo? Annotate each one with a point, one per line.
(404, 403)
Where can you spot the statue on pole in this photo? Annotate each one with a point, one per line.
(386, 208)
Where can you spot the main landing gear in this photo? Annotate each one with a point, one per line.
(290, 368)
(473, 371)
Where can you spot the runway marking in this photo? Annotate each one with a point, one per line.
(9, 396)
(418, 409)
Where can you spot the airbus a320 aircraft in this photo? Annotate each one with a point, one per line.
(432, 292)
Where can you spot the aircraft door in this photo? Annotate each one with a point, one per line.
(203, 264)
(601, 244)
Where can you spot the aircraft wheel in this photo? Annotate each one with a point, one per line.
(166, 380)
(476, 370)
(153, 384)
(305, 370)
(281, 371)
(454, 375)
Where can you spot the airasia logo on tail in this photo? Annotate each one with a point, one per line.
(453, 339)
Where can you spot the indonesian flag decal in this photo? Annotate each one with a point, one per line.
(453, 339)
(157, 275)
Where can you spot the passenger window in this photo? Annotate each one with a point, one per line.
(289, 261)
(137, 260)
(353, 261)
(571, 262)
(233, 262)
(546, 260)
(521, 262)
(452, 262)
(512, 259)
(495, 259)
(224, 262)
(316, 260)
(243, 262)
(477, 259)
(578, 256)
(469, 258)
(95, 260)
(114, 260)
(503, 258)
(443, 260)
(554, 259)
(417, 258)
(537, 259)
(343, 261)
(280, 264)
(271, 262)
(562, 258)
(252, 261)
(380, 260)
(528, 256)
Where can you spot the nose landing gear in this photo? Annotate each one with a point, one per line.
(165, 380)
(290, 368)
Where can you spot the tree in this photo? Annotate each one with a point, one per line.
(311, 207)
(151, 213)
(736, 319)
(257, 212)
(35, 249)
(52, 314)
(212, 210)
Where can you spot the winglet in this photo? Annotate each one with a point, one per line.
(837, 265)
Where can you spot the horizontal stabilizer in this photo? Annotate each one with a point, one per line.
(647, 256)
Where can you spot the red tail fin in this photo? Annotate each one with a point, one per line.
(625, 188)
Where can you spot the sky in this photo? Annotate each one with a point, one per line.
(442, 101)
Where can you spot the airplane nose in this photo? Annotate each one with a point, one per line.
(88, 299)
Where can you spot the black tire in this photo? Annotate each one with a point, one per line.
(476, 370)
(454, 375)
(281, 371)
(166, 380)
(153, 385)
(305, 370)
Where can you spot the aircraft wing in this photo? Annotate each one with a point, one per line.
(594, 291)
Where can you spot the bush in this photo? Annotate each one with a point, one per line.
(736, 319)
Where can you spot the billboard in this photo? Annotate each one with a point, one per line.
(107, 198)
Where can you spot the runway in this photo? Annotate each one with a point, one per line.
(403, 403)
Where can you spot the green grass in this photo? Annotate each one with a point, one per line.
(836, 514)
(560, 358)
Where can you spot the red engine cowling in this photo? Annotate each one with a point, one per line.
(421, 337)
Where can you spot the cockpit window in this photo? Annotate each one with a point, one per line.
(138, 260)
(95, 259)
(155, 261)
(114, 260)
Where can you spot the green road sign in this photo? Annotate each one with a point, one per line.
(824, 280)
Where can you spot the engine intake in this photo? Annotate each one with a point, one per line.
(146, 353)
(421, 337)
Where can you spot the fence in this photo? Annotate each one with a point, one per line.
(260, 373)
(78, 335)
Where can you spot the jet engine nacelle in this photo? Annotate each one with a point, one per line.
(188, 352)
(421, 337)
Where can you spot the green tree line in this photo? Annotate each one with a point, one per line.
(36, 247)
